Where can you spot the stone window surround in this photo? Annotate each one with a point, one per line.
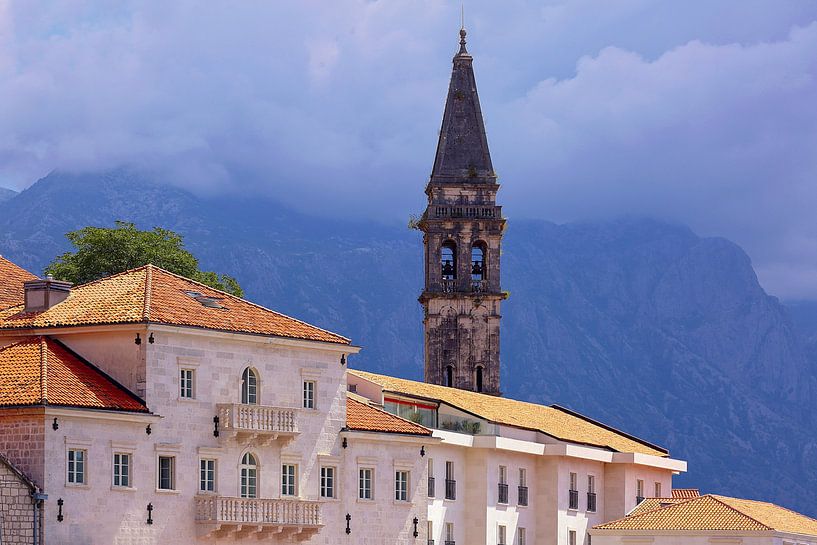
(129, 448)
(209, 453)
(370, 463)
(325, 460)
(184, 362)
(295, 460)
(310, 374)
(171, 450)
(78, 444)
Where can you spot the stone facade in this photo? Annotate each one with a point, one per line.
(18, 510)
(98, 512)
(462, 232)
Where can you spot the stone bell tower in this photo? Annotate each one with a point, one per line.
(462, 233)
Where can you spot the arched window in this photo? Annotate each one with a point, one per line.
(479, 379)
(249, 476)
(448, 261)
(478, 262)
(449, 376)
(249, 387)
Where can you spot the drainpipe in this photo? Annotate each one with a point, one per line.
(38, 498)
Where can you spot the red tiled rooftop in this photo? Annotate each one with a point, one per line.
(43, 371)
(363, 417)
(149, 294)
(11, 283)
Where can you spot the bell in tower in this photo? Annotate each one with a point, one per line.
(462, 234)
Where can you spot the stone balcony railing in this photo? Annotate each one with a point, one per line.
(223, 516)
(244, 423)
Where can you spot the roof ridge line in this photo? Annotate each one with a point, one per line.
(107, 277)
(231, 296)
(43, 371)
(148, 288)
(738, 511)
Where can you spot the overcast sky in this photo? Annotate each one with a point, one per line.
(701, 112)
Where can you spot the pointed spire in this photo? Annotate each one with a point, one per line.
(462, 150)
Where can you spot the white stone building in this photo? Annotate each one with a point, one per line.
(508, 472)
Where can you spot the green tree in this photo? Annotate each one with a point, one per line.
(102, 251)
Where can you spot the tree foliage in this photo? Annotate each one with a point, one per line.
(101, 251)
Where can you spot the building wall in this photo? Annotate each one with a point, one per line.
(22, 436)
(116, 353)
(16, 509)
(98, 513)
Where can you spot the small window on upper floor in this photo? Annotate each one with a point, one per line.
(479, 379)
(448, 261)
(187, 383)
(449, 376)
(249, 387)
(309, 394)
(657, 490)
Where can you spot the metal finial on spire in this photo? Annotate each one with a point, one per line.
(463, 51)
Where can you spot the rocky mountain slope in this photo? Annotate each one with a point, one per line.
(638, 323)
(6, 194)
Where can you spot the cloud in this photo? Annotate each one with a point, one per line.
(683, 111)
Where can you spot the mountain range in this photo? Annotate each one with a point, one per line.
(636, 322)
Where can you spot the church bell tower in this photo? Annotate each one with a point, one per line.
(462, 234)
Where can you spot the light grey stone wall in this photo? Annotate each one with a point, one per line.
(16, 509)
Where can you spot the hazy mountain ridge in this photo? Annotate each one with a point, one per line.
(638, 323)
(6, 194)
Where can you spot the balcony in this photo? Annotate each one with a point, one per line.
(450, 489)
(573, 500)
(591, 502)
(503, 493)
(221, 517)
(245, 423)
(431, 487)
(523, 495)
(479, 286)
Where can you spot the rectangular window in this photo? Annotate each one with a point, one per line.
(430, 478)
(207, 475)
(502, 533)
(449, 532)
(76, 465)
(639, 488)
(401, 480)
(591, 493)
(523, 477)
(288, 480)
(657, 490)
(573, 493)
(450, 483)
(502, 493)
(167, 472)
(121, 469)
(522, 539)
(186, 384)
(309, 394)
(327, 482)
(430, 533)
(571, 537)
(365, 483)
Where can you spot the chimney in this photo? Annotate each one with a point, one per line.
(44, 294)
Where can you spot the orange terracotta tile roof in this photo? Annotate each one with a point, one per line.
(363, 417)
(149, 294)
(685, 493)
(554, 421)
(650, 504)
(43, 371)
(11, 283)
(713, 513)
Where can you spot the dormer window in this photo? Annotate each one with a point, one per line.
(448, 261)
(205, 300)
